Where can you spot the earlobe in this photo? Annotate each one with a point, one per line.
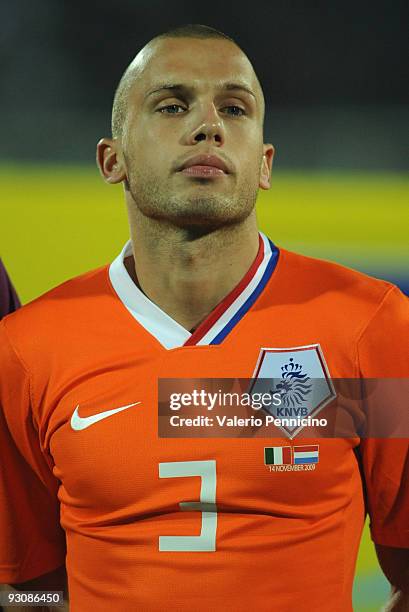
(266, 165)
(108, 163)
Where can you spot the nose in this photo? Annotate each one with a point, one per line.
(210, 127)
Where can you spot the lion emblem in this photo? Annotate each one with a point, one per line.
(294, 386)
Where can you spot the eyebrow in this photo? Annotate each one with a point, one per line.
(183, 87)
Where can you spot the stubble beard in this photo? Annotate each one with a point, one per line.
(200, 208)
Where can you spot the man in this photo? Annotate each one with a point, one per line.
(9, 301)
(193, 524)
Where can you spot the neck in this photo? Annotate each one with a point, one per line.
(187, 273)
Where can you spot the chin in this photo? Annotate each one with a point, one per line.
(211, 211)
(206, 219)
(196, 210)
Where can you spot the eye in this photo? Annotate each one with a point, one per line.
(235, 111)
(171, 109)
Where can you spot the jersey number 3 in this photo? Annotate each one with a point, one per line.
(206, 541)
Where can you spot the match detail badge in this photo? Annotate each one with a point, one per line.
(300, 376)
(287, 455)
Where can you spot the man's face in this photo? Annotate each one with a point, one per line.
(194, 97)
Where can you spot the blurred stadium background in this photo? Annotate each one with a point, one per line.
(337, 111)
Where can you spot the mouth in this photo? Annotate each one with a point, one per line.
(204, 166)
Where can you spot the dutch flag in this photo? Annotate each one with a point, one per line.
(306, 454)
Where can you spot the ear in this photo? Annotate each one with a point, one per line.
(266, 165)
(109, 161)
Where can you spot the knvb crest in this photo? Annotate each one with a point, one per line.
(300, 376)
(294, 386)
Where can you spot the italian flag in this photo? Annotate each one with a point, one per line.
(277, 455)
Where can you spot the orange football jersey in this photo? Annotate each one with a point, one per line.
(146, 523)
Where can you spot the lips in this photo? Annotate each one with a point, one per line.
(204, 165)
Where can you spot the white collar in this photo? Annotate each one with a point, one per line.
(220, 321)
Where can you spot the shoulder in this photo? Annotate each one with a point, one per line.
(332, 282)
(63, 307)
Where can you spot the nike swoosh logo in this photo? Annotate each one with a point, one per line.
(78, 423)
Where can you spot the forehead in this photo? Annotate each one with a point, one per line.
(198, 61)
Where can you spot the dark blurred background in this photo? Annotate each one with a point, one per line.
(335, 74)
